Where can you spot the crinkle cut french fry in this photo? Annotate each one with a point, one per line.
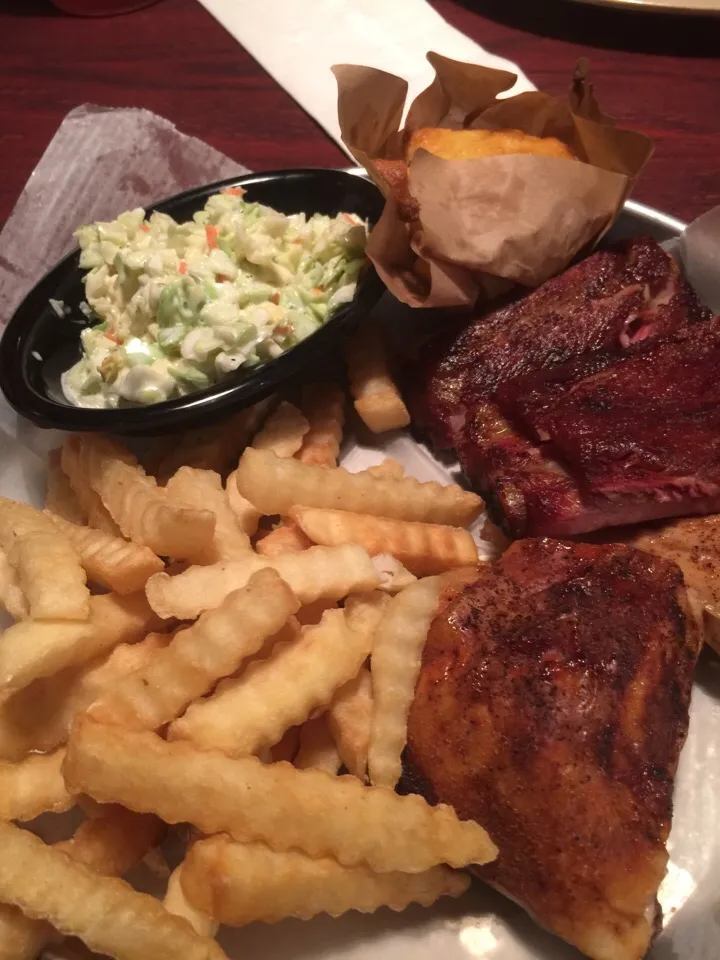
(312, 612)
(275, 485)
(143, 511)
(12, 598)
(33, 649)
(106, 913)
(287, 808)
(287, 537)
(377, 399)
(287, 747)
(424, 548)
(349, 718)
(329, 573)
(283, 431)
(33, 786)
(19, 519)
(388, 468)
(177, 903)
(110, 844)
(323, 404)
(252, 711)
(317, 749)
(114, 841)
(214, 447)
(245, 882)
(79, 480)
(395, 665)
(197, 657)
(394, 577)
(203, 489)
(60, 498)
(47, 567)
(246, 515)
(39, 717)
(115, 563)
(51, 577)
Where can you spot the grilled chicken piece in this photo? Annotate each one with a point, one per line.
(694, 544)
(551, 707)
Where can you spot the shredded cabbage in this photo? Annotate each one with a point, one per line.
(183, 305)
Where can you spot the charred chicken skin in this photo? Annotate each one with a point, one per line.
(551, 707)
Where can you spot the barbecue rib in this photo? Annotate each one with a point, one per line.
(547, 470)
(606, 439)
(551, 706)
(612, 298)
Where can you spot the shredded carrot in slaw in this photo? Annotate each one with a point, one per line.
(211, 233)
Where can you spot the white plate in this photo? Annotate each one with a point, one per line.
(483, 924)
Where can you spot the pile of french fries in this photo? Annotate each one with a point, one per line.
(228, 638)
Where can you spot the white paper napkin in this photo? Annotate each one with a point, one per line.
(297, 41)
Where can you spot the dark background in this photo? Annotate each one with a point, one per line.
(659, 73)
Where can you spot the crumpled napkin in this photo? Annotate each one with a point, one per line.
(100, 162)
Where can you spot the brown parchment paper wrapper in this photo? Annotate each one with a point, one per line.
(480, 225)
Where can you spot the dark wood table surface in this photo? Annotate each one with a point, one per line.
(658, 73)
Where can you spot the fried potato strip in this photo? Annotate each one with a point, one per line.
(60, 498)
(12, 598)
(51, 577)
(33, 649)
(246, 515)
(177, 903)
(216, 446)
(287, 748)
(203, 490)
(329, 573)
(349, 717)
(287, 537)
(147, 515)
(106, 913)
(110, 844)
(316, 748)
(393, 575)
(47, 567)
(240, 883)
(39, 717)
(424, 548)
(143, 511)
(253, 711)
(395, 666)
(377, 399)
(283, 431)
(199, 656)
(388, 468)
(287, 808)
(114, 563)
(33, 786)
(275, 485)
(79, 480)
(323, 405)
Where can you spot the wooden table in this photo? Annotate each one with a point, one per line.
(655, 72)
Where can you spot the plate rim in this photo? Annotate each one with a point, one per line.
(691, 8)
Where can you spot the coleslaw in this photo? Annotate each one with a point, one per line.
(183, 305)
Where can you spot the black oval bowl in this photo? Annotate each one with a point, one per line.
(38, 346)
